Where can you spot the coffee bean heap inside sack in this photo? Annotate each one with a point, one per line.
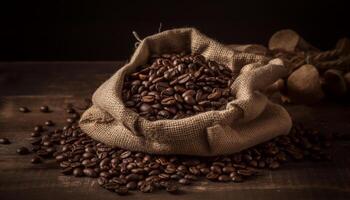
(174, 86)
(121, 171)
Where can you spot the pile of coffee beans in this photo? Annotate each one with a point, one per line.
(121, 171)
(174, 86)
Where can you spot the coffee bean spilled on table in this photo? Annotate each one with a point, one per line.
(122, 171)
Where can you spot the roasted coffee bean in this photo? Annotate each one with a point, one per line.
(4, 141)
(224, 178)
(47, 143)
(172, 188)
(102, 181)
(49, 123)
(132, 185)
(70, 120)
(125, 154)
(145, 107)
(168, 92)
(110, 185)
(38, 128)
(122, 190)
(23, 109)
(212, 176)
(67, 171)
(90, 172)
(45, 109)
(35, 134)
(190, 100)
(70, 110)
(216, 169)
(228, 169)
(190, 177)
(146, 187)
(148, 99)
(168, 101)
(204, 170)
(23, 151)
(132, 177)
(184, 181)
(164, 114)
(78, 172)
(245, 172)
(60, 157)
(216, 94)
(43, 153)
(236, 178)
(36, 160)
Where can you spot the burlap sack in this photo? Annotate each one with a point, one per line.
(248, 120)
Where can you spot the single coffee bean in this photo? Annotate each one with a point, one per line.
(216, 94)
(172, 188)
(184, 181)
(132, 185)
(164, 114)
(132, 177)
(216, 169)
(102, 181)
(125, 154)
(49, 123)
(60, 158)
(237, 178)
(224, 178)
(4, 141)
(38, 128)
(23, 150)
(245, 172)
(184, 79)
(122, 190)
(190, 100)
(168, 92)
(228, 169)
(44, 109)
(189, 93)
(23, 109)
(35, 134)
(212, 176)
(70, 110)
(67, 171)
(90, 172)
(168, 101)
(145, 107)
(36, 160)
(148, 99)
(78, 172)
(146, 188)
(191, 177)
(70, 120)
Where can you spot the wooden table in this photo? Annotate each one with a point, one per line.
(58, 83)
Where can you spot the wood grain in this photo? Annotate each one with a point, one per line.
(57, 84)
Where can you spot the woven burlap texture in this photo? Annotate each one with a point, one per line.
(248, 120)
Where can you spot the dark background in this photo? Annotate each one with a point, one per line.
(101, 30)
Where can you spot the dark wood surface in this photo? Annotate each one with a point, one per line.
(58, 83)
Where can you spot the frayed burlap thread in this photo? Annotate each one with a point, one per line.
(248, 120)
